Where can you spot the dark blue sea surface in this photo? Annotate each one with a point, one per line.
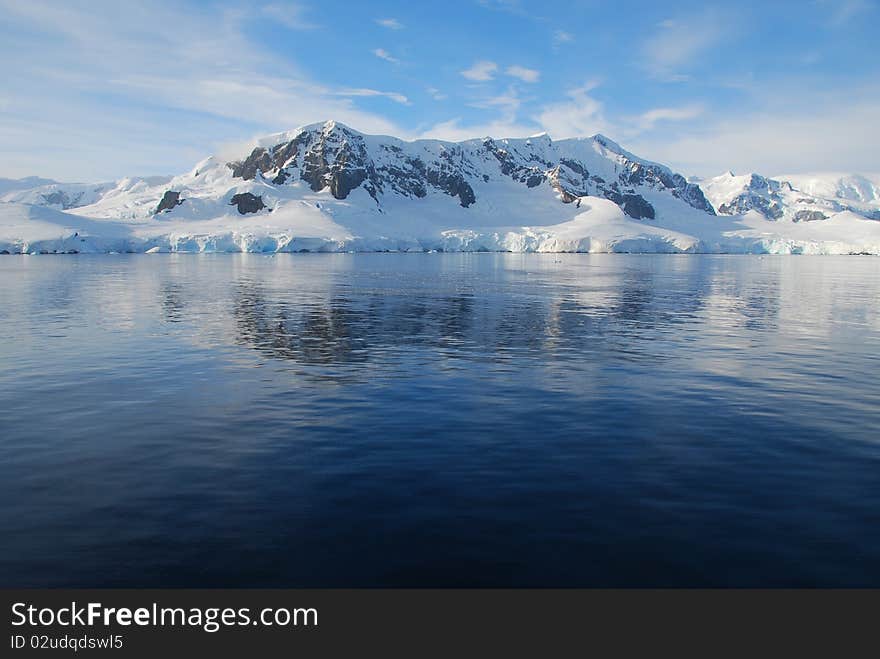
(439, 420)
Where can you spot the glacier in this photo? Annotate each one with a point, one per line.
(328, 188)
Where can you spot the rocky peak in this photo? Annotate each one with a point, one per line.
(331, 156)
(773, 198)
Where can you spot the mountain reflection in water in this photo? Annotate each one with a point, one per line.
(440, 420)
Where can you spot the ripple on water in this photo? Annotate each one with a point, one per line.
(439, 420)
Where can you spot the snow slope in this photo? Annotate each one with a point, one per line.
(797, 198)
(326, 187)
(8, 185)
(67, 196)
(831, 185)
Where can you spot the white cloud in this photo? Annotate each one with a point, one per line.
(171, 99)
(390, 23)
(508, 104)
(524, 74)
(842, 136)
(454, 131)
(679, 42)
(381, 53)
(481, 71)
(579, 116)
(133, 99)
(562, 37)
(648, 120)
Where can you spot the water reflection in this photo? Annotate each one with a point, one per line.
(439, 420)
(344, 324)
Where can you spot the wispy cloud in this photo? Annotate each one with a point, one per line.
(457, 130)
(841, 12)
(508, 104)
(390, 23)
(794, 141)
(561, 37)
(290, 14)
(524, 74)
(381, 53)
(131, 98)
(678, 42)
(648, 120)
(481, 71)
(394, 96)
(141, 100)
(580, 115)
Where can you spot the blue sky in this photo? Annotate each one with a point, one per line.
(103, 89)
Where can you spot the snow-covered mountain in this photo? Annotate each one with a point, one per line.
(68, 196)
(805, 198)
(849, 187)
(326, 187)
(8, 185)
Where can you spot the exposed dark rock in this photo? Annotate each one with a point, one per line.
(335, 158)
(247, 202)
(534, 180)
(57, 198)
(283, 153)
(452, 184)
(809, 216)
(338, 160)
(637, 206)
(771, 209)
(761, 194)
(169, 200)
(61, 198)
(693, 195)
(408, 179)
(264, 161)
(569, 181)
(658, 176)
(572, 180)
(247, 169)
(576, 167)
(511, 165)
(634, 205)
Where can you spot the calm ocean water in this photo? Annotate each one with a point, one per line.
(439, 420)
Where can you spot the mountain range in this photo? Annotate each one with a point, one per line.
(327, 187)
